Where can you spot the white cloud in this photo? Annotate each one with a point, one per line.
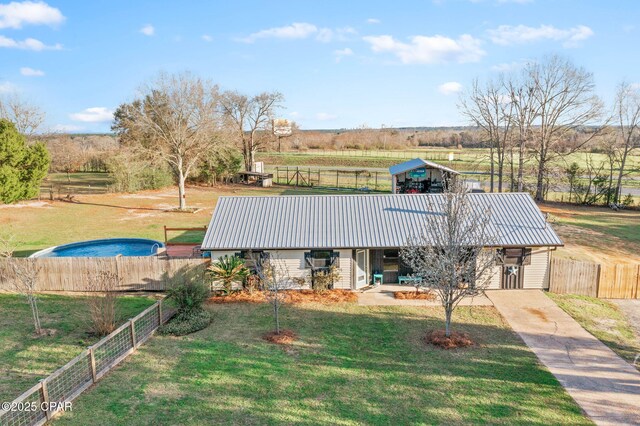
(16, 14)
(67, 128)
(30, 72)
(450, 87)
(341, 53)
(327, 35)
(373, 21)
(634, 86)
(148, 30)
(323, 116)
(507, 66)
(27, 44)
(93, 115)
(207, 38)
(506, 35)
(429, 49)
(297, 30)
(6, 87)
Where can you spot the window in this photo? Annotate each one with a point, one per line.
(390, 260)
(514, 256)
(252, 258)
(321, 259)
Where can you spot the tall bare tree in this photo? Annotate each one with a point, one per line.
(565, 102)
(177, 119)
(449, 253)
(250, 117)
(523, 115)
(627, 118)
(489, 108)
(27, 117)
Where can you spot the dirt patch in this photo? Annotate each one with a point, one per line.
(286, 337)
(291, 296)
(413, 295)
(538, 313)
(33, 204)
(455, 340)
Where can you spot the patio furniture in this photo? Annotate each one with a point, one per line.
(377, 279)
(411, 280)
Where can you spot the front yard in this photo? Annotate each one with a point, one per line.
(25, 358)
(351, 365)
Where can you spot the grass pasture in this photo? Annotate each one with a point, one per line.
(25, 358)
(351, 365)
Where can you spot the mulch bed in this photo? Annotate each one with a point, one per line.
(412, 295)
(455, 340)
(291, 296)
(286, 337)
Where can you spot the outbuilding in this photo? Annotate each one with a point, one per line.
(361, 235)
(420, 176)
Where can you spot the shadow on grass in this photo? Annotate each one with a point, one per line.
(351, 365)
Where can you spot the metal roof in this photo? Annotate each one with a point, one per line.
(416, 163)
(360, 221)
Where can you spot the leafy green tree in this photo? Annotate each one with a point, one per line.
(22, 166)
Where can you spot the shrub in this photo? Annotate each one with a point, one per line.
(102, 302)
(228, 269)
(188, 292)
(131, 173)
(187, 323)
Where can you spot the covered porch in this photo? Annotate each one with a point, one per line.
(382, 266)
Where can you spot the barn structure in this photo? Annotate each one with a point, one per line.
(420, 176)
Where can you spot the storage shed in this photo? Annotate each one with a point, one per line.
(419, 176)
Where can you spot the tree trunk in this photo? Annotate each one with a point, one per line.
(492, 171)
(33, 303)
(520, 165)
(540, 181)
(448, 310)
(623, 162)
(181, 192)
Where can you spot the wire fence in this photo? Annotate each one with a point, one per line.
(53, 394)
(364, 180)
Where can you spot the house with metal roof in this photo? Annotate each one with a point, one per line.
(362, 234)
(419, 176)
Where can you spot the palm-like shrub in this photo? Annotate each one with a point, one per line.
(228, 269)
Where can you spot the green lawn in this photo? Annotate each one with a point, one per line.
(25, 358)
(351, 365)
(40, 224)
(604, 320)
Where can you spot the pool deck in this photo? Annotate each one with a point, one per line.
(180, 250)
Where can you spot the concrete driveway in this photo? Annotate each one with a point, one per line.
(603, 384)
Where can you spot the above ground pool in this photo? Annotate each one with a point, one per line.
(104, 248)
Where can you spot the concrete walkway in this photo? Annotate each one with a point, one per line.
(383, 296)
(603, 384)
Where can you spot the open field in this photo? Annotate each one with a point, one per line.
(590, 233)
(604, 320)
(25, 358)
(351, 365)
(597, 234)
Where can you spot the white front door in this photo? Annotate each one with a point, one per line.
(361, 268)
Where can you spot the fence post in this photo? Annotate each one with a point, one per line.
(159, 312)
(337, 178)
(132, 327)
(92, 357)
(45, 397)
(598, 281)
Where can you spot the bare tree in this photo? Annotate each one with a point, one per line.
(66, 155)
(490, 109)
(25, 278)
(102, 302)
(275, 278)
(523, 115)
(177, 120)
(627, 116)
(249, 117)
(564, 102)
(450, 253)
(25, 116)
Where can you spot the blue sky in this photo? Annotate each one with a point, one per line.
(339, 64)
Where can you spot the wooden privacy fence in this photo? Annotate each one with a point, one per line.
(595, 280)
(75, 273)
(46, 399)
